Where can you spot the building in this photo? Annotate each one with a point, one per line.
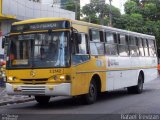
(64, 2)
(54, 3)
(16, 10)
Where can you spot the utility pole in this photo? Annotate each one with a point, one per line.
(101, 5)
(110, 14)
(76, 9)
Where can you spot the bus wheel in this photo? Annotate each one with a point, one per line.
(91, 96)
(42, 99)
(138, 88)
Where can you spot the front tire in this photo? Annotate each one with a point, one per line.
(138, 88)
(91, 96)
(42, 99)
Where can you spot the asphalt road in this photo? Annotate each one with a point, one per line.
(112, 105)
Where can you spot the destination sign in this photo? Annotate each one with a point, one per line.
(40, 26)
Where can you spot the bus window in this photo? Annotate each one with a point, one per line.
(95, 35)
(140, 45)
(82, 54)
(97, 48)
(111, 44)
(123, 46)
(83, 45)
(133, 47)
(152, 50)
(101, 36)
(109, 38)
(145, 45)
(96, 44)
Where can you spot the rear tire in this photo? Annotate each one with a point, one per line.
(91, 96)
(42, 99)
(138, 88)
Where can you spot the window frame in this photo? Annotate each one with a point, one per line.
(115, 39)
(119, 43)
(101, 41)
(154, 47)
(132, 37)
(145, 46)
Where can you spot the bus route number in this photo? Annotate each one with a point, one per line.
(55, 71)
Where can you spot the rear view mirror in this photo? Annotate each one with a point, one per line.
(79, 40)
(3, 42)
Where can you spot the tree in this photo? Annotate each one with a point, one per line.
(95, 11)
(73, 5)
(141, 16)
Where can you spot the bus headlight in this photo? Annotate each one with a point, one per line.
(65, 77)
(62, 77)
(11, 78)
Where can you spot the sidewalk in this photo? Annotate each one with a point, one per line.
(12, 99)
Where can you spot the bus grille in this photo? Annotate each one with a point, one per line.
(33, 90)
(34, 81)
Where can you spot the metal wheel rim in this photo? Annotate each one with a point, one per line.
(92, 91)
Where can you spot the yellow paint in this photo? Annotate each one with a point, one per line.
(0, 7)
(39, 20)
(80, 84)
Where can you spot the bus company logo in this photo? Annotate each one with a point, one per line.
(33, 73)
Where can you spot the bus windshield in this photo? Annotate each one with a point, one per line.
(39, 50)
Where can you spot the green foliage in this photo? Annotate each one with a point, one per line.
(72, 5)
(141, 16)
(95, 11)
(131, 7)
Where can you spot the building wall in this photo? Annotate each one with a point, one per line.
(5, 28)
(27, 9)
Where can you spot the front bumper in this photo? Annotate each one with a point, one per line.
(63, 89)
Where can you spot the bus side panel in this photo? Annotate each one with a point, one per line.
(124, 71)
(151, 72)
(119, 73)
(84, 73)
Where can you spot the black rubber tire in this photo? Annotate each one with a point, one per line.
(91, 96)
(42, 99)
(138, 88)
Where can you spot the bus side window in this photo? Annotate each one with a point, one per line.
(95, 35)
(96, 43)
(83, 45)
(145, 45)
(152, 50)
(140, 45)
(155, 48)
(133, 46)
(123, 45)
(111, 43)
(82, 55)
(137, 44)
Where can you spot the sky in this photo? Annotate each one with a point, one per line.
(117, 3)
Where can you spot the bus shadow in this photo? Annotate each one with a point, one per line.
(76, 102)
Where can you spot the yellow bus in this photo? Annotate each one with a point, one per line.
(61, 57)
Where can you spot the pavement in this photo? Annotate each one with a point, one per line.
(6, 99)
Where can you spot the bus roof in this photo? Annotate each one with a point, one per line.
(39, 20)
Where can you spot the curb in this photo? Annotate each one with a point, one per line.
(17, 101)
